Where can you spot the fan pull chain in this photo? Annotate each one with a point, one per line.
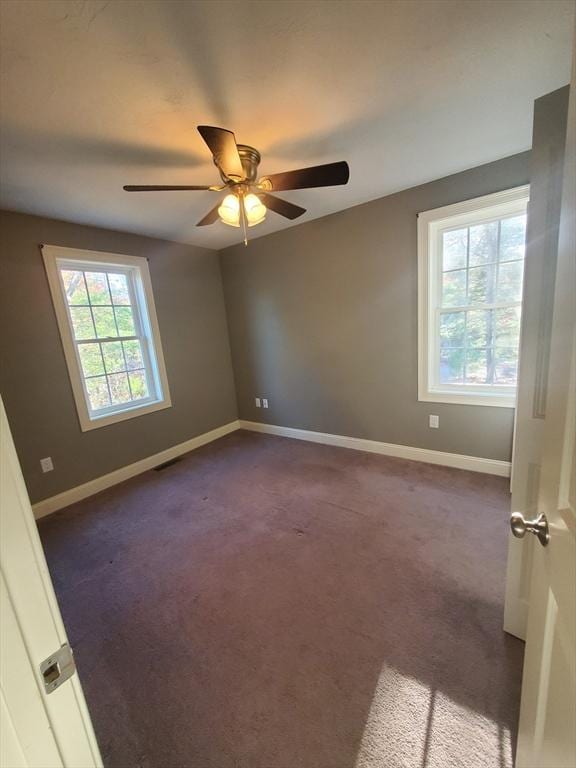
(243, 217)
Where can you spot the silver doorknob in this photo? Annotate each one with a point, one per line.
(539, 527)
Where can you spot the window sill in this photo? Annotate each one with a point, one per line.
(468, 398)
(87, 423)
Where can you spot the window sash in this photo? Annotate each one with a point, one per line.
(141, 336)
(439, 309)
(146, 332)
(432, 226)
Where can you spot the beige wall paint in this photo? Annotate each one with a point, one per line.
(34, 379)
(323, 322)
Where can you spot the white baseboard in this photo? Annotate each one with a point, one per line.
(64, 499)
(457, 460)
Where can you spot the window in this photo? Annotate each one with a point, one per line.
(470, 270)
(105, 312)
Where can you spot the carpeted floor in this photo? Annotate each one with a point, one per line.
(270, 603)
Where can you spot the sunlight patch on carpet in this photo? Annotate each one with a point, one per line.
(424, 728)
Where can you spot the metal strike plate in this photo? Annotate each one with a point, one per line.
(57, 668)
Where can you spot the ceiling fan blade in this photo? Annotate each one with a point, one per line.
(222, 144)
(283, 207)
(210, 217)
(159, 188)
(327, 175)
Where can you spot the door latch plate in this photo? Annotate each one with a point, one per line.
(57, 668)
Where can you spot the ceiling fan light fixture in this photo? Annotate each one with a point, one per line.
(229, 211)
(255, 209)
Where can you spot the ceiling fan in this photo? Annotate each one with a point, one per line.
(248, 199)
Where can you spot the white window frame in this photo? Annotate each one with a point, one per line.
(136, 268)
(431, 225)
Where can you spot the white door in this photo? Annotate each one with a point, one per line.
(547, 728)
(37, 729)
(546, 174)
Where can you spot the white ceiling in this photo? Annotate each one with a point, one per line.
(98, 94)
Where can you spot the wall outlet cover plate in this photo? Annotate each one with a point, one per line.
(46, 464)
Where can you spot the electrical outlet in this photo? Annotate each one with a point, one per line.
(46, 464)
(257, 401)
(434, 421)
(264, 403)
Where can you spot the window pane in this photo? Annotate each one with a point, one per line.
(125, 321)
(454, 288)
(113, 357)
(512, 238)
(133, 353)
(473, 280)
(483, 243)
(510, 281)
(507, 327)
(91, 359)
(454, 245)
(138, 385)
(119, 288)
(98, 392)
(452, 366)
(476, 366)
(74, 286)
(452, 329)
(119, 388)
(480, 285)
(82, 323)
(104, 319)
(478, 328)
(98, 288)
(506, 368)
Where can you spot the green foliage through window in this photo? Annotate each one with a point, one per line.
(105, 329)
(481, 291)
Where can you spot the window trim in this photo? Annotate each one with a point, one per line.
(53, 255)
(430, 225)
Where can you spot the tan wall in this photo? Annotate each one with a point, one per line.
(323, 322)
(33, 375)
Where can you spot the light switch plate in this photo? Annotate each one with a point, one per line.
(257, 401)
(434, 421)
(264, 403)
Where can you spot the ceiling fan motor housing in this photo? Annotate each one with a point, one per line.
(250, 159)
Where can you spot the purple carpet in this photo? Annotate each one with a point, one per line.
(271, 603)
